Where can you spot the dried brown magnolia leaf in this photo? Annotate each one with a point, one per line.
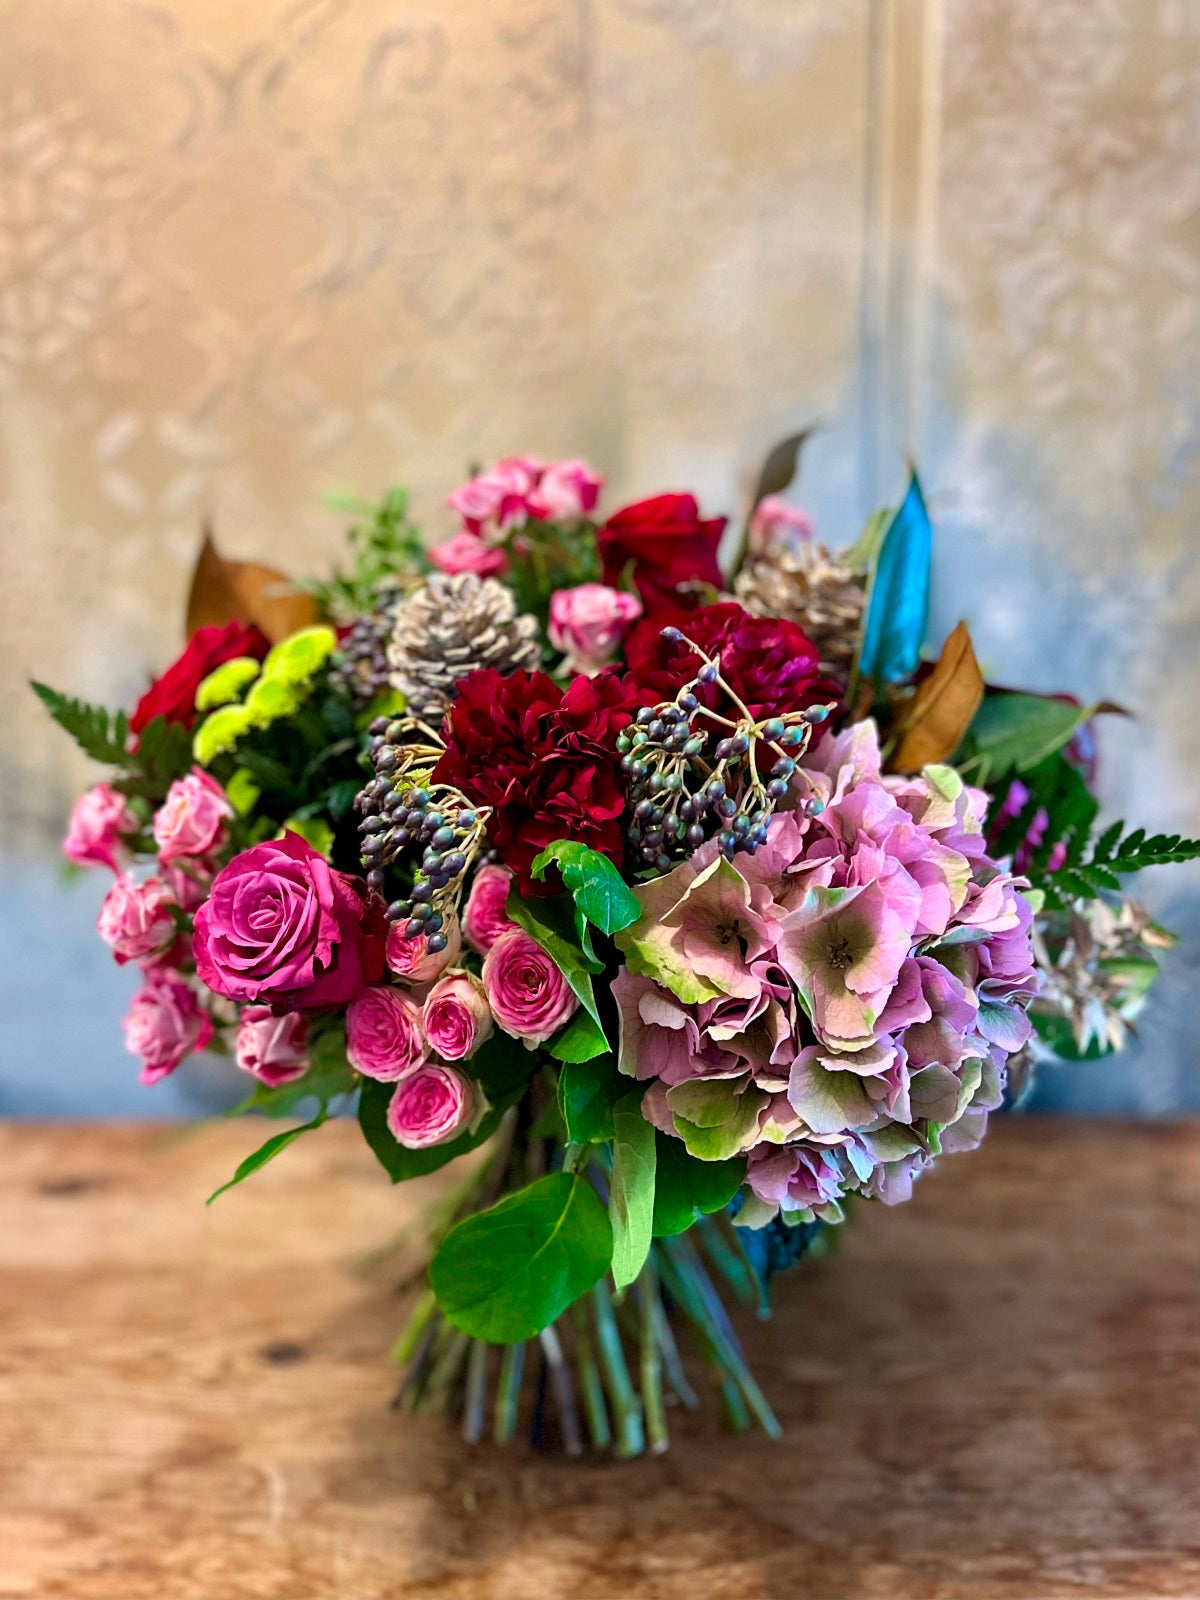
(243, 591)
(941, 710)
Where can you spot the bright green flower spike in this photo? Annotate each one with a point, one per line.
(220, 732)
(295, 659)
(270, 699)
(226, 683)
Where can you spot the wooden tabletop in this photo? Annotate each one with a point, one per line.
(991, 1391)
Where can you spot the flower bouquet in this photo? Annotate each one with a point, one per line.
(685, 906)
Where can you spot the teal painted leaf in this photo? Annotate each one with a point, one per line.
(267, 1152)
(897, 608)
(505, 1274)
(631, 1188)
(586, 1093)
(685, 1188)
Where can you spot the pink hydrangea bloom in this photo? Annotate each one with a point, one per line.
(94, 834)
(137, 920)
(166, 1023)
(840, 1004)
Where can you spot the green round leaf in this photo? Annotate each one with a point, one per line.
(685, 1188)
(505, 1274)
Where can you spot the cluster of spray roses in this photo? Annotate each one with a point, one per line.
(841, 1006)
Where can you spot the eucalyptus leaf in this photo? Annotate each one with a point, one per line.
(587, 1091)
(505, 1274)
(685, 1189)
(631, 1189)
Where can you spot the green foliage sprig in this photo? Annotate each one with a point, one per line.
(163, 751)
(1116, 853)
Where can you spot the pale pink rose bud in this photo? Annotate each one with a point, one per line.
(410, 959)
(776, 523)
(431, 1106)
(529, 996)
(566, 491)
(166, 1022)
(274, 1049)
(485, 917)
(191, 820)
(136, 920)
(456, 1017)
(588, 623)
(98, 820)
(189, 880)
(383, 1033)
(466, 552)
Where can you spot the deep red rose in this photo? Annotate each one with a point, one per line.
(174, 694)
(672, 548)
(771, 665)
(544, 759)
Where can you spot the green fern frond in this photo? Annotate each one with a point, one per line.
(98, 733)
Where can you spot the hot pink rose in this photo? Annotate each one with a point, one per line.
(166, 1022)
(566, 491)
(191, 820)
(526, 990)
(456, 1016)
(588, 623)
(431, 1106)
(485, 917)
(466, 552)
(282, 926)
(410, 959)
(776, 522)
(135, 919)
(383, 1034)
(98, 820)
(274, 1049)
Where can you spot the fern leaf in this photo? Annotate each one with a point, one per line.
(98, 733)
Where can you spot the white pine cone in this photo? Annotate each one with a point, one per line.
(807, 585)
(452, 625)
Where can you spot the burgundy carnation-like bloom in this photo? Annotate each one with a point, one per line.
(173, 695)
(544, 759)
(770, 664)
(281, 926)
(672, 548)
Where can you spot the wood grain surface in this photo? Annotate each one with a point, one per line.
(989, 1392)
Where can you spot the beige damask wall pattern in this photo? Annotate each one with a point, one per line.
(250, 254)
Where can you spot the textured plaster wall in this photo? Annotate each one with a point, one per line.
(252, 254)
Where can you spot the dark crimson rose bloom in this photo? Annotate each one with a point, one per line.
(282, 927)
(544, 759)
(174, 694)
(670, 545)
(770, 664)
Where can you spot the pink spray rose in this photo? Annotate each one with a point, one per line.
(499, 496)
(97, 822)
(282, 926)
(191, 820)
(456, 1016)
(566, 491)
(587, 624)
(526, 990)
(383, 1034)
(775, 523)
(274, 1049)
(135, 919)
(166, 1022)
(466, 552)
(431, 1106)
(410, 959)
(189, 881)
(485, 917)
